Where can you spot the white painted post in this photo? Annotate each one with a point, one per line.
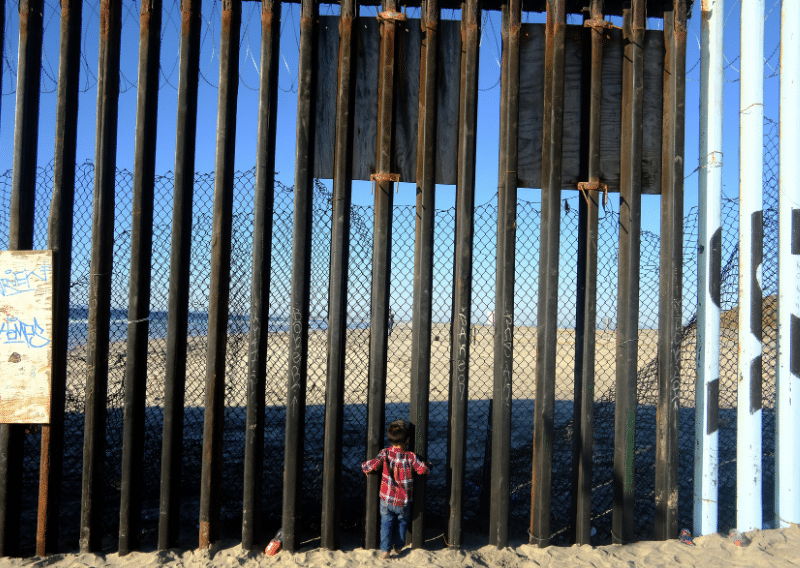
(787, 453)
(709, 267)
(751, 149)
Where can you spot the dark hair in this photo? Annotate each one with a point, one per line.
(398, 432)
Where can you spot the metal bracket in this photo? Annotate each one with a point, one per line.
(596, 24)
(585, 186)
(394, 178)
(392, 16)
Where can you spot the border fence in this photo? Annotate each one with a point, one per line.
(359, 277)
(227, 348)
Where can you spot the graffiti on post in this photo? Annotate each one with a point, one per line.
(26, 320)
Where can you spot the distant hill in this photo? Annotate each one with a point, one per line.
(769, 314)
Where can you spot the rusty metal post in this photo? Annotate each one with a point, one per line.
(59, 240)
(630, 220)
(214, 415)
(262, 263)
(180, 270)
(26, 126)
(381, 264)
(130, 518)
(586, 315)
(671, 273)
(487, 507)
(337, 311)
(504, 345)
(423, 258)
(23, 191)
(462, 300)
(301, 276)
(91, 532)
(547, 312)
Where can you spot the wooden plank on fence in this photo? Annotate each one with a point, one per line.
(406, 107)
(652, 111)
(406, 99)
(327, 56)
(448, 85)
(611, 113)
(532, 104)
(26, 326)
(365, 119)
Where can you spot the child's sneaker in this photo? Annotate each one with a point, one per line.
(385, 555)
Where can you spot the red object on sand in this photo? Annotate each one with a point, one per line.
(272, 548)
(275, 545)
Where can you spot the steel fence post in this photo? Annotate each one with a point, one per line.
(671, 274)
(301, 268)
(423, 258)
(180, 272)
(91, 532)
(21, 220)
(381, 264)
(262, 264)
(547, 307)
(219, 289)
(630, 219)
(139, 295)
(709, 266)
(340, 248)
(504, 346)
(462, 300)
(586, 316)
(59, 240)
(751, 236)
(787, 488)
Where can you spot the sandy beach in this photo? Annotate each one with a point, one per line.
(397, 399)
(762, 549)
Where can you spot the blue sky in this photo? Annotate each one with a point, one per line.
(248, 95)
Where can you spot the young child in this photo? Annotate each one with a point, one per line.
(397, 483)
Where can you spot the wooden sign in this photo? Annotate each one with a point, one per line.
(26, 324)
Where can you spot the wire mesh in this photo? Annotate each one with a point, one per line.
(358, 337)
(481, 364)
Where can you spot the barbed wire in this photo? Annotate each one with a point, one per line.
(171, 20)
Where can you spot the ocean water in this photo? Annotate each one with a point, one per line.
(197, 325)
(118, 325)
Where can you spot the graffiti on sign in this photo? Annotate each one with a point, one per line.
(26, 320)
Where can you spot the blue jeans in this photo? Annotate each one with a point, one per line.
(394, 525)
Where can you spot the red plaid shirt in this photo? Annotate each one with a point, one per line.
(397, 482)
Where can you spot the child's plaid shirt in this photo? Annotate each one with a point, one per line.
(397, 482)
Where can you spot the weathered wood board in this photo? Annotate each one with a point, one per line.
(531, 103)
(406, 99)
(26, 324)
(327, 56)
(448, 93)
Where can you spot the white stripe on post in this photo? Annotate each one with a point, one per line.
(751, 149)
(787, 453)
(708, 287)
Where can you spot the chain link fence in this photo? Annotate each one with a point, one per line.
(399, 358)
